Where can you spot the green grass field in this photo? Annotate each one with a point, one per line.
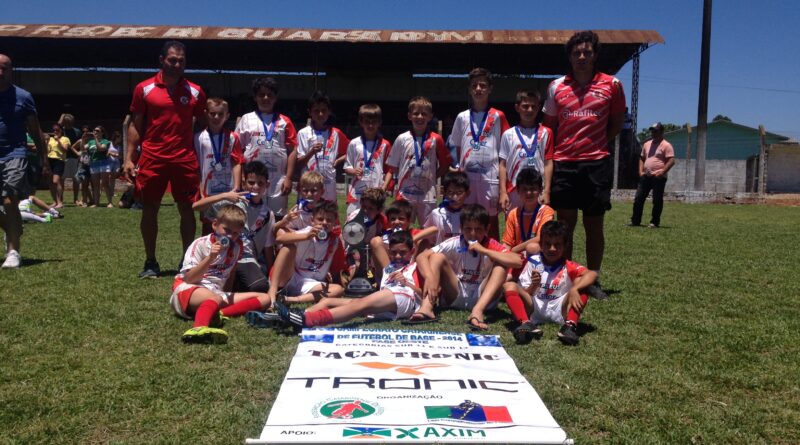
(698, 344)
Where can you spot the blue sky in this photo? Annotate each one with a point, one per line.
(755, 58)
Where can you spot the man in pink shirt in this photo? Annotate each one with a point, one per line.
(657, 158)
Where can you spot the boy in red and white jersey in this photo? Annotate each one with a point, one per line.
(219, 153)
(366, 156)
(522, 146)
(398, 218)
(467, 271)
(447, 217)
(321, 147)
(198, 289)
(551, 289)
(271, 138)
(476, 136)
(399, 296)
(417, 158)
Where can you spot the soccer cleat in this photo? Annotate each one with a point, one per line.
(219, 321)
(294, 317)
(653, 226)
(596, 292)
(12, 261)
(205, 335)
(527, 331)
(48, 218)
(264, 320)
(151, 269)
(568, 335)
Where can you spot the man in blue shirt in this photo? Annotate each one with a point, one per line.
(17, 112)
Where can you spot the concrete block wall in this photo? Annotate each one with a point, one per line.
(722, 176)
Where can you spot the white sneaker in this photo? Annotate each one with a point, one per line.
(12, 260)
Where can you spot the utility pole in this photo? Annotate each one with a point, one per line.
(688, 155)
(702, 103)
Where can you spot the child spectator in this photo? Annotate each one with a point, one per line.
(417, 158)
(399, 295)
(198, 290)
(366, 156)
(258, 236)
(219, 154)
(28, 215)
(476, 136)
(551, 289)
(314, 251)
(446, 217)
(465, 272)
(524, 223)
(522, 147)
(271, 138)
(321, 147)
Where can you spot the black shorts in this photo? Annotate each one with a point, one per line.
(56, 166)
(584, 185)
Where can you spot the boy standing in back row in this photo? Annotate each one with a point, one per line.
(476, 136)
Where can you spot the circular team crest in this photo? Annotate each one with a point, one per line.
(184, 100)
(345, 409)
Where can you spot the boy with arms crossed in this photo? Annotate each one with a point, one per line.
(551, 288)
(271, 138)
(522, 147)
(197, 291)
(417, 158)
(321, 147)
(476, 136)
(467, 271)
(366, 156)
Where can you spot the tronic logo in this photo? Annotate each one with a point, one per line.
(344, 409)
(405, 369)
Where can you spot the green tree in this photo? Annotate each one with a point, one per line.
(721, 117)
(644, 134)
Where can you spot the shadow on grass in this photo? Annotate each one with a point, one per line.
(26, 262)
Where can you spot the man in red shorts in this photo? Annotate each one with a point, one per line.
(585, 109)
(163, 108)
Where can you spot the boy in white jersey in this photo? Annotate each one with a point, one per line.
(399, 296)
(551, 288)
(312, 252)
(321, 147)
(467, 271)
(198, 289)
(398, 217)
(447, 217)
(219, 154)
(271, 138)
(366, 156)
(258, 235)
(476, 136)
(417, 158)
(522, 146)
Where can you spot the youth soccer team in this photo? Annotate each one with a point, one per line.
(276, 257)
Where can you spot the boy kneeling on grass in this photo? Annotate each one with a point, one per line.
(551, 289)
(400, 295)
(466, 271)
(207, 267)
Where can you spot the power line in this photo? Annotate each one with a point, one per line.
(716, 85)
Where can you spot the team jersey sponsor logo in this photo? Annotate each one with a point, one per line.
(412, 433)
(566, 114)
(184, 100)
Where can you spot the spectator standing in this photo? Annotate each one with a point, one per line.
(163, 111)
(57, 147)
(100, 166)
(656, 160)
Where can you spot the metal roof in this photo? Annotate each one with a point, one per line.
(355, 51)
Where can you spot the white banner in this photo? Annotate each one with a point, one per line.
(392, 386)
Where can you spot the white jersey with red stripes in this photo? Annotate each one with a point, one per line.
(216, 176)
(220, 269)
(334, 144)
(470, 268)
(583, 113)
(537, 140)
(377, 152)
(556, 282)
(315, 258)
(447, 221)
(416, 183)
(479, 159)
(274, 153)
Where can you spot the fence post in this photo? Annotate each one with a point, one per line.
(688, 155)
(762, 162)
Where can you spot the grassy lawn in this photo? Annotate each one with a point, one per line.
(699, 343)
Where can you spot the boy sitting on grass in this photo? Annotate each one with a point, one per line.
(399, 297)
(446, 217)
(551, 288)
(197, 291)
(310, 253)
(466, 271)
(399, 216)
